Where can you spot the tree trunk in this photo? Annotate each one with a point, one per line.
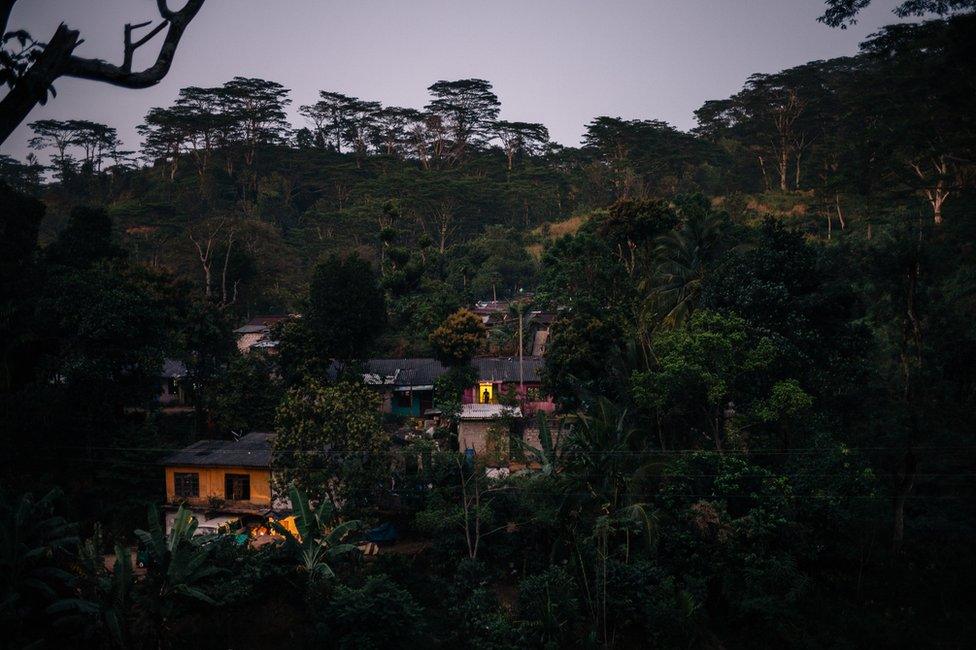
(32, 88)
(782, 167)
(905, 483)
(765, 177)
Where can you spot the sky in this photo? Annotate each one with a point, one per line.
(559, 62)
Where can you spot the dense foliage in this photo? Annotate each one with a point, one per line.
(762, 358)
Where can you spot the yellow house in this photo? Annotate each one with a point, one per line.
(221, 480)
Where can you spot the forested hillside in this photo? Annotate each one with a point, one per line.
(761, 365)
(448, 194)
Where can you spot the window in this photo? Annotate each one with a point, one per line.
(186, 484)
(237, 487)
(402, 400)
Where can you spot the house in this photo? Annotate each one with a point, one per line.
(222, 480)
(538, 326)
(173, 384)
(405, 385)
(256, 333)
(484, 430)
(500, 378)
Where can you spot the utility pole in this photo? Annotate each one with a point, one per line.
(521, 312)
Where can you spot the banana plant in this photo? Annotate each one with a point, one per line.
(104, 595)
(549, 449)
(177, 569)
(316, 544)
(34, 546)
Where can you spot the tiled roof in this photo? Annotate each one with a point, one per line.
(252, 450)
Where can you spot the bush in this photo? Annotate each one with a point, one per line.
(547, 608)
(377, 615)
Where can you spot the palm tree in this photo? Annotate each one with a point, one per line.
(684, 255)
(597, 451)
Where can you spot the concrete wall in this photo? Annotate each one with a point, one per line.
(488, 438)
(212, 485)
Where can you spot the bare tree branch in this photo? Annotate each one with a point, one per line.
(32, 88)
(57, 59)
(98, 70)
(131, 47)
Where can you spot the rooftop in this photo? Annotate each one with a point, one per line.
(252, 450)
(402, 372)
(260, 324)
(506, 369)
(173, 369)
(423, 371)
(488, 411)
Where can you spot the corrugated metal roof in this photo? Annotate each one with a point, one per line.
(506, 369)
(251, 329)
(424, 371)
(403, 372)
(252, 450)
(488, 411)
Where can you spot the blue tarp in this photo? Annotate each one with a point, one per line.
(382, 533)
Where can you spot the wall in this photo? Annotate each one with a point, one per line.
(488, 438)
(472, 395)
(212, 484)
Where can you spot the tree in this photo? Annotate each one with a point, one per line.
(379, 614)
(97, 141)
(204, 121)
(330, 118)
(362, 127)
(392, 132)
(246, 397)
(19, 277)
(164, 135)
(31, 78)
(521, 138)
(346, 309)
(214, 241)
(256, 110)
(329, 441)
(684, 257)
(841, 13)
(60, 135)
(468, 107)
(584, 356)
(86, 240)
(458, 338)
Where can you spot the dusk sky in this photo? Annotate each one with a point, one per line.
(560, 62)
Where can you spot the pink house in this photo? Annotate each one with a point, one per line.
(501, 378)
